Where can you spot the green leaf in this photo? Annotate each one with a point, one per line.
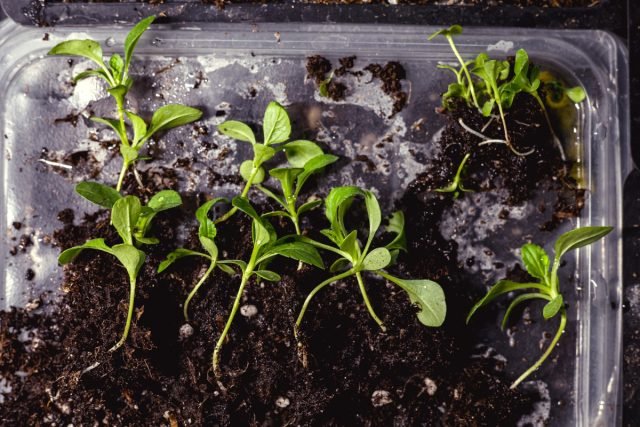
(309, 206)
(209, 246)
(175, 256)
(262, 231)
(578, 238)
(535, 261)
(132, 38)
(171, 116)
(139, 127)
(124, 216)
(207, 227)
(286, 176)
(68, 255)
(339, 265)
(238, 263)
(351, 246)
(237, 130)
(281, 214)
(487, 107)
(113, 124)
(140, 238)
(301, 151)
(277, 197)
(164, 200)
(119, 91)
(271, 276)
(86, 48)
(522, 62)
(226, 269)
(576, 94)
(374, 213)
(517, 301)
(130, 257)
(129, 154)
(453, 30)
(427, 295)
(314, 165)
(116, 63)
(396, 225)
(246, 169)
(500, 288)
(92, 73)
(553, 307)
(336, 203)
(100, 194)
(296, 250)
(276, 124)
(377, 259)
(262, 153)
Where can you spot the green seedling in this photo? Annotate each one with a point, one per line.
(266, 246)
(545, 286)
(354, 259)
(456, 186)
(132, 221)
(276, 131)
(323, 87)
(116, 75)
(305, 158)
(206, 234)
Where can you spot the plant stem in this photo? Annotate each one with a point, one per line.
(553, 133)
(127, 325)
(203, 279)
(315, 290)
(466, 71)
(368, 303)
(123, 173)
(561, 326)
(246, 274)
(244, 193)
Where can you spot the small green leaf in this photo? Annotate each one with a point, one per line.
(276, 124)
(427, 295)
(301, 151)
(100, 194)
(171, 116)
(521, 62)
(139, 127)
(286, 176)
(576, 94)
(86, 48)
(164, 200)
(176, 255)
(396, 226)
(130, 257)
(238, 263)
(453, 30)
(91, 73)
(124, 216)
(578, 238)
(336, 203)
(374, 213)
(553, 307)
(309, 206)
(277, 197)
(517, 301)
(298, 251)
(132, 38)
(535, 261)
(281, 214)
(237, 130)
(129, 154)
(487, 107)
(271, 276)
(314, 165)
(146, 240)
(207, 227)
(209, 246)
(69, 255)
(377, 259)
(246, 169)
(226, 269)
(262, 153)
(339, 265)
(500, 288)
(116, 63)
(119, 91)
(351, 246)
(113, 124)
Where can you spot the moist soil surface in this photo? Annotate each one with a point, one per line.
(61, 372)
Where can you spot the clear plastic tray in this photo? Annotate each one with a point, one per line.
(217, 67)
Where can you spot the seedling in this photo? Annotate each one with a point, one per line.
(546, 285)
(132, 221)
(276, 128)
(456, 186)
(206, 234)
(306, 158)
(117, 77)
(354, 259)
(266, 246)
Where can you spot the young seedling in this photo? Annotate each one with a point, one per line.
(354, 259)
(456, 186)
(266, 246)
(545, 286)
(305, 158)
(132, 221)
(276, 128)
(116, 75)
(206, 234)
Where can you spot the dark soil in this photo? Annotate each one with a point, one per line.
(61, 372)
(538, 3)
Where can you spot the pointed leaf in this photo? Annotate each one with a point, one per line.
(276, 124)
(309, 206)
(296, 250)
(314, 165)
(91, 73)
(301, 151)
(238, 263)
(351, 246)
(500, 288)
(113, 124)
(171, 116)
(517, 301)
(396, 225)
(553, 307)
(578, 238)
(226, 269)
(68, 255)
(132, 38)
(271, 276)
(339, 265)
(377, 259)
(124, 216)
(175, 256)
(535, 261)
(139, 127)
(286, 176)
(237, 130)
(207, 227)
(164, 200)
(86, 48)
(277, 197)
(374, 214)
(116, 63)
(209, 246)
(100, 194)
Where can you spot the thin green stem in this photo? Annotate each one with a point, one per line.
(244, 193)
(123, 173)
(368, 303)
(464, 68)
(203, 279)
(315, 290)
(246, 274)
(127, 325)
(561, 326)
(326, 247)
(556, 140)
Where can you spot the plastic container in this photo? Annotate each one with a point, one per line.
(233, 70)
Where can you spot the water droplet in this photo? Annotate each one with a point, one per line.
(110, 41)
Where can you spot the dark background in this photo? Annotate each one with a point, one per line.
(617, 16)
